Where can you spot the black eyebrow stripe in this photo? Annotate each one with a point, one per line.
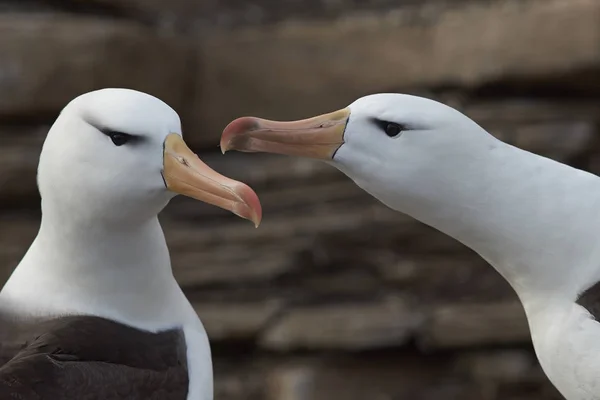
(383, 124)
(106, 130)
(133, 139)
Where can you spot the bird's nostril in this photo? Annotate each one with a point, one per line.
(183, 161)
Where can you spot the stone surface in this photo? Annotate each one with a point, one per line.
(480, 324)
(152, 7)
(79, 54)
(209, 14)
(385, 375)
(353, 326)
(322, 66)
(371, 377)
(242, 321)
(500, 366)
(196, 267)
(512, 110)
(292, 382)
(19, 154)
(558, 140)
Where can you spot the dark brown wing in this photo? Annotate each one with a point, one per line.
(85, 358)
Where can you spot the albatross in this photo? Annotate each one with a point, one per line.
(533, 219)
(93, 311)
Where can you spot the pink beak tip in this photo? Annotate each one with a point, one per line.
(235, 128)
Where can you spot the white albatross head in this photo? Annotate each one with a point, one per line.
(120, 154)
(402, 149)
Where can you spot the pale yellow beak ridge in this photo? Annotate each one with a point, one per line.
(184, 173)
(318, 137)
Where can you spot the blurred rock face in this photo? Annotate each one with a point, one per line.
(334, 296)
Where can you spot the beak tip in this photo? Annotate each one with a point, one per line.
(257, 215)
(237, 128)
(249, 205)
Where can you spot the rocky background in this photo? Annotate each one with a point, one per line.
(334, 296)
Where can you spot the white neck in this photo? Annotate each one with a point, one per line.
(536, 221)
(532, 218)
(122, 272)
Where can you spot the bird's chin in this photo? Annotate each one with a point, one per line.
(161, 198)
(168, 195)
(343, 160)
(146, 205)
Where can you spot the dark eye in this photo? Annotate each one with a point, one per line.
(119, 138)
(392, 129)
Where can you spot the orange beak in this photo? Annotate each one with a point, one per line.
(184, 173)
(318, 137)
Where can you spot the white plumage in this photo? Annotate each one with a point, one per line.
(535, 220)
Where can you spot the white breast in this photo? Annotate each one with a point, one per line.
(566, 341)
